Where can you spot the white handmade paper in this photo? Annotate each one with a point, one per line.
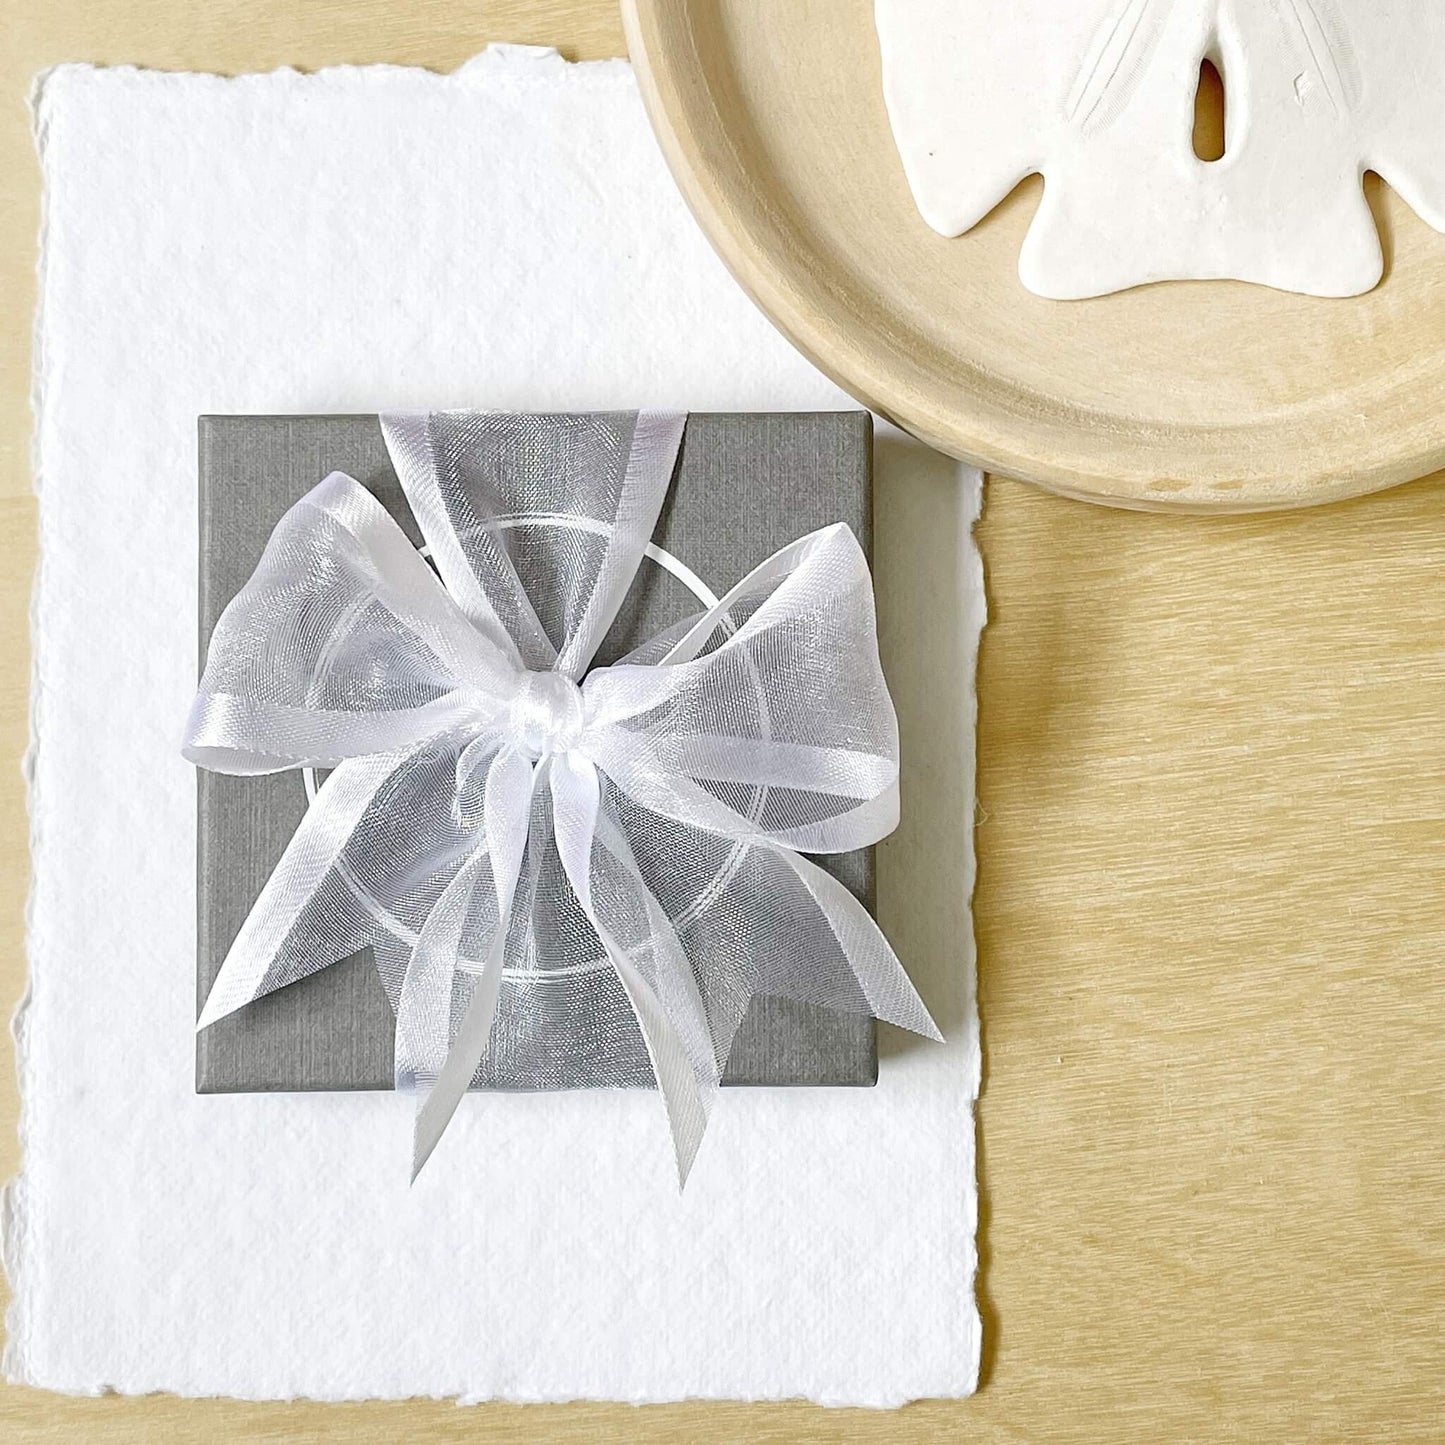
(358, 240)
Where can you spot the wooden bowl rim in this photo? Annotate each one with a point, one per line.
(789, 284)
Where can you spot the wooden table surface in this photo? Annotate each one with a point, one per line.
(1211, 915)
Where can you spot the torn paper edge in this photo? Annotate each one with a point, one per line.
(975, 599)
(15, 1224)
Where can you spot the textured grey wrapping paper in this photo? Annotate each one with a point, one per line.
(746, 484)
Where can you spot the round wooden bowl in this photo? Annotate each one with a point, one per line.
(1200, 396)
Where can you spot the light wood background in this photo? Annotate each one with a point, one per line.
(1211, 914)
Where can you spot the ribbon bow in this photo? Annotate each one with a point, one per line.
(566, 876)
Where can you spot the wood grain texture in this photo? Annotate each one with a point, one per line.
(1211, 913)
(1191, 396)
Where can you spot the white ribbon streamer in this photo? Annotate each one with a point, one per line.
(578, 868)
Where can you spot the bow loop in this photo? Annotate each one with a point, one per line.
(784, 731)
(342, 644)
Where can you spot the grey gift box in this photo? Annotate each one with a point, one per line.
(745, 485)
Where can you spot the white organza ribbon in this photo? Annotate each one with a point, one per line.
(566, 876)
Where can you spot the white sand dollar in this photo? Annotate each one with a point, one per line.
(1099, 96)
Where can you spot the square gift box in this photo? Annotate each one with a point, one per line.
(745, 485)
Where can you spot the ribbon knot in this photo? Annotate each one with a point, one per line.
(626, 865)
(545, 715)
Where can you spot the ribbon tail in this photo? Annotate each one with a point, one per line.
(576, 796)
(465, 1055)
(424, 1014)
(881, 977)
(305, 866)
(676, 1082)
